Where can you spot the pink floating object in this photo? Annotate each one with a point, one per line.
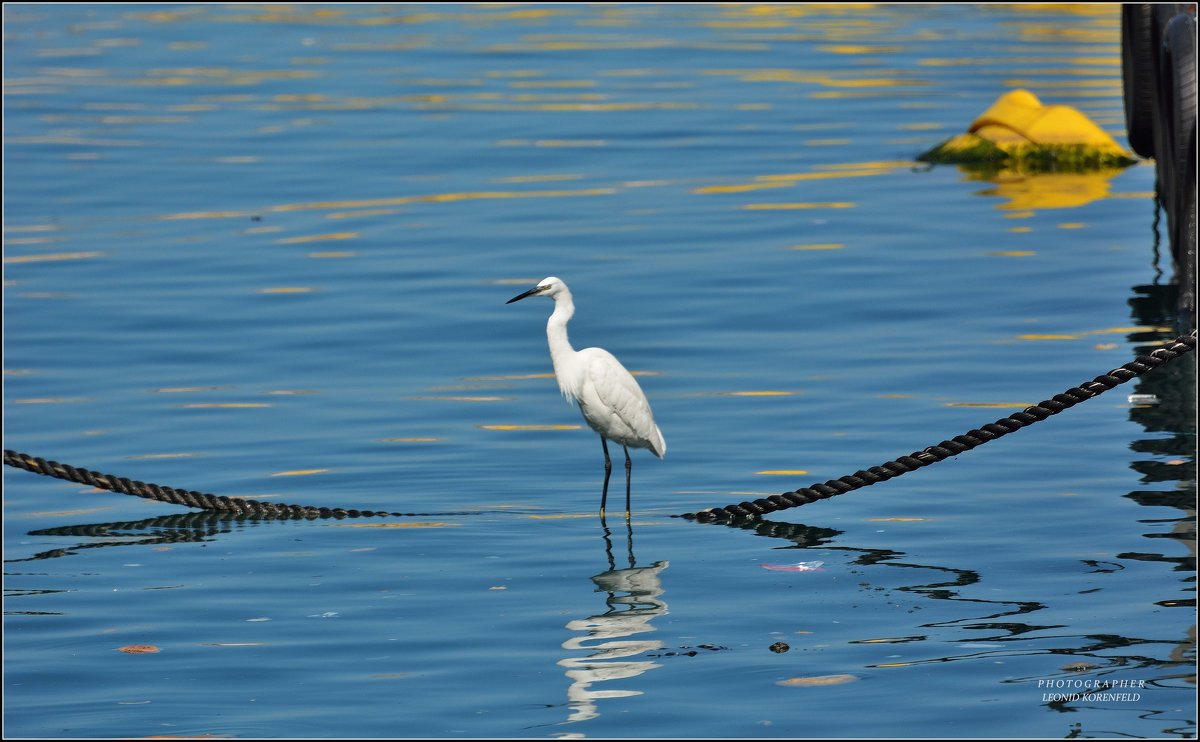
(798, 567)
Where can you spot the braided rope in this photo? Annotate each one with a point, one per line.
(258, 509)
(863, 478)
(953, 447)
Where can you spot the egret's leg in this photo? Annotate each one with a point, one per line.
(607, 471)
(628, 472)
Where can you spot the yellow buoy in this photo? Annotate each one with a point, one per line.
(1019, 131)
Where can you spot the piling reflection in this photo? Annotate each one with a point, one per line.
(1166, 457)
(633, 599)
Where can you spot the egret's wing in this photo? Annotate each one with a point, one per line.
(614, 404)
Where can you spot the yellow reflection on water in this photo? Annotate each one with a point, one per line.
(299, 472)
(1025, 192)
(318, 238)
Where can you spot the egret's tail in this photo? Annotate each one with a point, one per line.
(660, 444)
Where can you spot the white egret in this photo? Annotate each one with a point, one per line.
(611, 401)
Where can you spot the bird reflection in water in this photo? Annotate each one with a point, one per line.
(634, 599)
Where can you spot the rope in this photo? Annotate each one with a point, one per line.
(959, 444)
(259, 509)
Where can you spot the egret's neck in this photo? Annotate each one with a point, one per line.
(561, 352)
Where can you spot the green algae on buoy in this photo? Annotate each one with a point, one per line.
(1018, 132)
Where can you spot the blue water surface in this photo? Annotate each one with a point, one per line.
(263, 251)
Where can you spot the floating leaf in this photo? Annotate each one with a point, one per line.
(138, 649)
(299, 472)
(783, 472)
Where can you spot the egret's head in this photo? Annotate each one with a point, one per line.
(551, 287)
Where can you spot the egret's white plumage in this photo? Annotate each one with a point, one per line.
(610, 399)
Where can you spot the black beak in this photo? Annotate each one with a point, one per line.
(530, 292)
